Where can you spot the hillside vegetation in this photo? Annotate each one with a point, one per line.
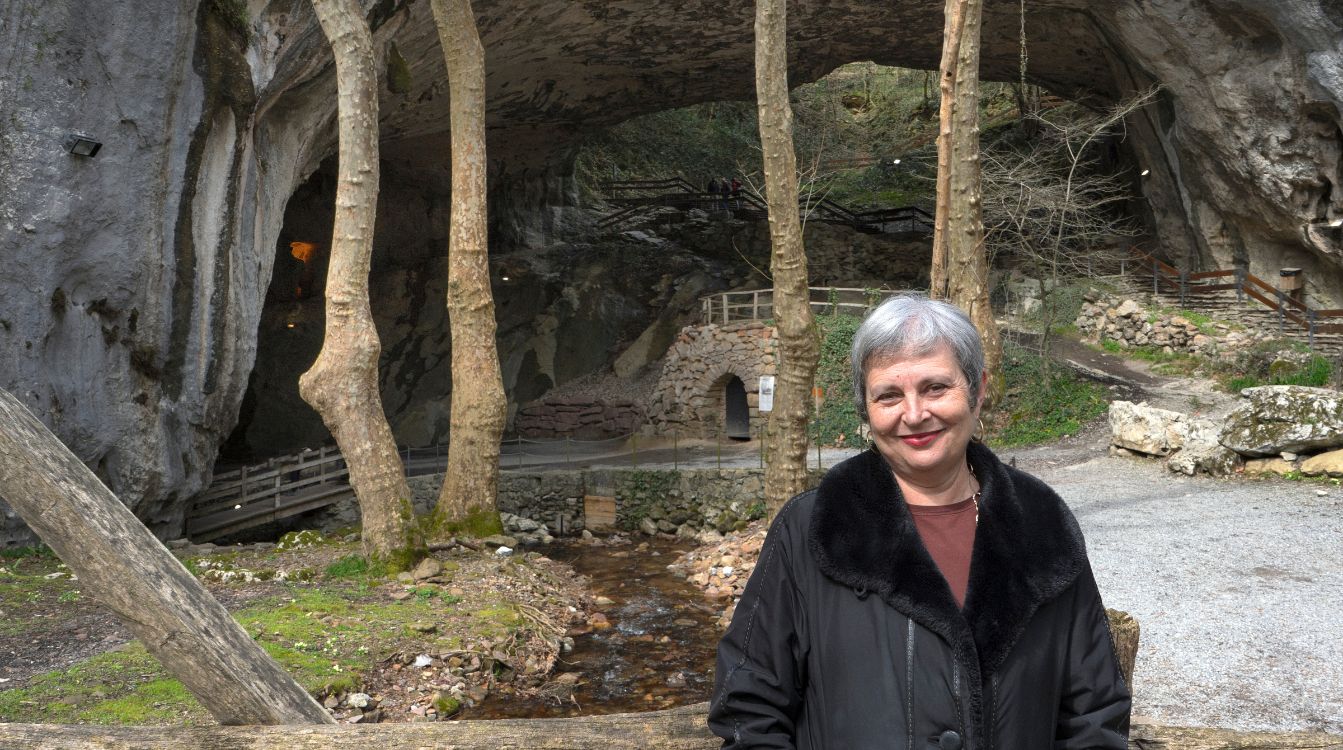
(859, 110)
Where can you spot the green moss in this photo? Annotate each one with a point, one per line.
(234, 14)
(398, 72)
(446, 705)
(480, 522)
(300, 540)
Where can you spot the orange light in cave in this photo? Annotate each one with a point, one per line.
(303, 251)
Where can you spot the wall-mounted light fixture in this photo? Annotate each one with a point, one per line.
(503, 278)
(1145, 172)
(81, 145)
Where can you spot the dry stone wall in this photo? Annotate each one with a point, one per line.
(1130, 324)
(578, 417)
(689, 397)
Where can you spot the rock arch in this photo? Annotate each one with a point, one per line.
(689, 398)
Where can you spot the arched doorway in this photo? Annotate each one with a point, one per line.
(736, 414)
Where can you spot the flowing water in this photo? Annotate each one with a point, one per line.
(658, 652)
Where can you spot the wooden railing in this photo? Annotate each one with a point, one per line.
(1244, 284)
(758, 304)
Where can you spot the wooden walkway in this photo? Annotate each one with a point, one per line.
(281, 487)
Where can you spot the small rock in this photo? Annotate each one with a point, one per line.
(424, 627)
(359, 700)
(405, 577)
(586, 535)
(400, 596)
(331, 701)
(677, 679)
(648, 526)
(179, 544)
(500, 540)
(598, 621)
(603, 601)
(504, 551)
(428, 568)
(423, 660)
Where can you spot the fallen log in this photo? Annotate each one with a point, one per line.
(673, 729)
(122, 565)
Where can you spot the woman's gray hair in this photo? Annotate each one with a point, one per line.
(911, 325)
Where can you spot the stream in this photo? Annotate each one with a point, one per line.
(658, 652)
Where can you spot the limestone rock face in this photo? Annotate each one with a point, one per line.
(134, 281)
(1146, 429)
(1278, 418)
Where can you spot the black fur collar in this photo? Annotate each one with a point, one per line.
(1028, 549)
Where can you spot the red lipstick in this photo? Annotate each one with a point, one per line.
(920, 439)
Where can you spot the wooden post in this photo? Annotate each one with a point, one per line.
(128, 570)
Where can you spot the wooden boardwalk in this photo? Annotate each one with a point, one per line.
(254, 495)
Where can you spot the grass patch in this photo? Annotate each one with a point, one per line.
(1035, 411)
(357, 567)
(126, 686)
(325, 638)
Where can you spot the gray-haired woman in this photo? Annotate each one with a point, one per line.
(925, 595)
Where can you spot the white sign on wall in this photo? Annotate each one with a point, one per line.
(766, 393)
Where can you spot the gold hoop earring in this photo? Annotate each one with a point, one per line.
(978, 435)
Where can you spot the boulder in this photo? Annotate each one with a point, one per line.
(1330, 463)
(1146, 429)
(1263, 466)
(1277, 418)
(1201, 450)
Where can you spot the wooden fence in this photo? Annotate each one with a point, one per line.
(758, 304)
(1244, 284)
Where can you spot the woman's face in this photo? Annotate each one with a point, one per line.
(920, 413)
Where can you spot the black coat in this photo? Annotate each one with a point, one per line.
(848, 638)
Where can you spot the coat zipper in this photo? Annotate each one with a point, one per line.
(909, 685)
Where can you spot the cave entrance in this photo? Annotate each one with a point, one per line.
(274, 420)
(736, 413)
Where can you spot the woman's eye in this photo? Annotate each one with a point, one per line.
(937, 387)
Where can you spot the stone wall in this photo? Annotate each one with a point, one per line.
(689, 397)
(686, 502)
(577, 417)
(1129, 324)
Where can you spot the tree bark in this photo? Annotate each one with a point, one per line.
(799, 350)
(1124, 631)
(673, 729)
(479, 407)
(342, 384)
(122, 565)
(960, 268)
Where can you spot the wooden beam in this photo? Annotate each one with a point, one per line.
(122, 565)
(673, 729)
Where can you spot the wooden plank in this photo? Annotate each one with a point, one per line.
(121, 564)
(1329, 313)
(1210, 275)
(599, 512)
(681, 728)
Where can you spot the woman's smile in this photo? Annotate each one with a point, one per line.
(920, 439)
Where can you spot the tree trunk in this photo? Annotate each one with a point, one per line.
(343, 383)
(470, 484)
(799, 350)
(960, 269)
(122, 565)
(673, 729)
(1125, 633)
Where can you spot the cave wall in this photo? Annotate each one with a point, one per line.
(133, 281)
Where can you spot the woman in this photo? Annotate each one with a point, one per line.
(925, 595)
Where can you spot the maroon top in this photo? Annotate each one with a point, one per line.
(948, 533)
